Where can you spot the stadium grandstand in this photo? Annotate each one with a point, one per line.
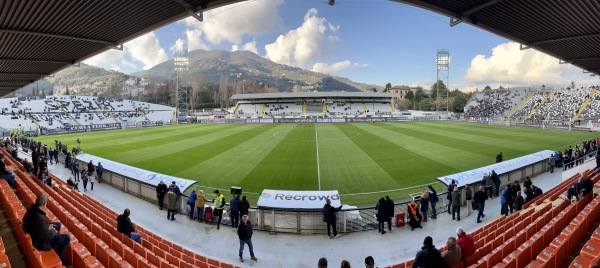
(314, 104)
(39, 38)
(63, 114)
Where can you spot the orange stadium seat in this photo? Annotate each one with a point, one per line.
(591, 250)
(4, 261)
(581, 262)
(510, 260)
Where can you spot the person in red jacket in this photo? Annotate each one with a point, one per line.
(466, 242)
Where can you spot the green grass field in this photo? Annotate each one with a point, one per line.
(364, 161)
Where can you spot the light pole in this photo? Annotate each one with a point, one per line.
(181, 66)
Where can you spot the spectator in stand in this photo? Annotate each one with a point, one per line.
(84, 179)
(91, 168)
(200, 201)
(424, 202)
(71, 183)
(329, 217)
(519, 201)
(414, 217)
(433, 199)
(453, 254)
(480, 198)
(587, 186)
(92, 180)
(192, 202)
(389, 205)
(219, 202)
(44, 235)
(369, 262)
(381, 215)
(345, 264)
(536, 191)
(322, 263)
(428, 256)
(171, 204)
(551, 163)
(75, 170)
(516, 187)
(528, 194)
(235, 211)
(126, 227)
(161, 191)
(245, 235)
(466, 242)
(489, 184)
(574, 190)
(456, 200)
(527, 183)
(6, 174)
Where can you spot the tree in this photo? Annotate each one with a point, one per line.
(375, 90)
(487, 89)
(67, 92)
(459, 102)
(388, 86)
(434, 88)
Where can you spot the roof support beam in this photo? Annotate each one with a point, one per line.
(108, 43)
(565, 39)
(465, 15)
(38, 74)
(523, 47)
(36, 60)
(582, 59)
(190, 9)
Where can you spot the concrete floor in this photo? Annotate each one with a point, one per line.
(293, 250)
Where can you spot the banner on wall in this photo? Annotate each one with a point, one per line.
(297, 199)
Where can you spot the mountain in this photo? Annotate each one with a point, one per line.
(245, 65)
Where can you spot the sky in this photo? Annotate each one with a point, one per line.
(368, 41)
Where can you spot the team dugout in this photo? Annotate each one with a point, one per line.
(314, 104)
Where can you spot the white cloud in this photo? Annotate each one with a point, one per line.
(115, 67)
(147, 50)
(250, 46)
(178, 46)
(425, 83)
(106, 59)
(230, 23)
(336, 67)
(508, 65)
(305, 43)
(195, 40)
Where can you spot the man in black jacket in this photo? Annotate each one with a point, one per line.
(43, 235)
(245, 235)
(161, 190)
(125, 226)
(519, 201)
(329, 217)
(428, 256)
(480, 197)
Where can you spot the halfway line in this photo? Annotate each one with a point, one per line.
(318, 164)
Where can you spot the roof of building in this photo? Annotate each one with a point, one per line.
(38, 38)
(312, 95)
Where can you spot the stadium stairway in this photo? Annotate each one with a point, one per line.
(539, 106)
(519, 106)
(141, 111)
(93, 225)
(543, 234)
(105, 110)
(584, 105)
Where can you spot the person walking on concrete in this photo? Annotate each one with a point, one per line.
(389, 206)
(480, 197)
(424, 205)
(456, 203)
(99, 171)
(433, 199)
(469, 198)
(244, 231)
(161, 191)
(496, 180)
(192, 202)
(329, 217)
(381, 215)
(551, 163)
(200, 201)
(171, 204)
(235, 211)
(219, 202)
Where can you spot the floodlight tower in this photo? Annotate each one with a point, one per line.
(442, 65)
(181, 67)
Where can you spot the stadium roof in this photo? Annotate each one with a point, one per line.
(38, 38)
(568, 30)
(311, 95)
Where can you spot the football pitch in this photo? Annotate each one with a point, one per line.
(364, 161)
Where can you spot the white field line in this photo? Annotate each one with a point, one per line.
(318, 162)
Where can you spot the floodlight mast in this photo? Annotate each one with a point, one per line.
(442, 65)
(181, 62)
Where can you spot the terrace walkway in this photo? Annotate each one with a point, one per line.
(292, 250)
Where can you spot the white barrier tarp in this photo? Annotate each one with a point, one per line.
(297, 199)
(476, 175)
(138, 174)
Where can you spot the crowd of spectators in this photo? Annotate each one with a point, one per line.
(493, 103)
